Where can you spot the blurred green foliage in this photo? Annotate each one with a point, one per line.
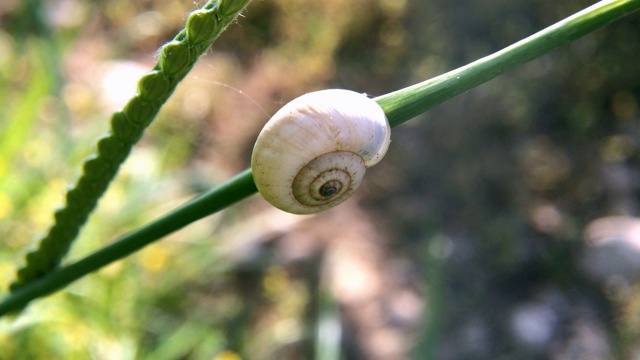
(485, 197)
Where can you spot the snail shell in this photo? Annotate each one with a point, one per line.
(312, 154)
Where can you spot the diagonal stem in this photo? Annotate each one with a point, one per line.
(215, 200)
(399, 106)
(406, 103)
(175, 60)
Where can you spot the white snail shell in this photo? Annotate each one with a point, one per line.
(313, 152)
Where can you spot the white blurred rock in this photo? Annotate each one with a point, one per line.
(612, 254)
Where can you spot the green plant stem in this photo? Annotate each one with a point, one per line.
(399, 106)
(215, 200)
(175, 60)
(404, 104)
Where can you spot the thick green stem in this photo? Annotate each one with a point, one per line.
(404, 104)
(215, 200)
(399, 106)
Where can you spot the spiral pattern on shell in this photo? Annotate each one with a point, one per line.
(312, 154)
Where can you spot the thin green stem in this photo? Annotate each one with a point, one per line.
(399, 106)
(175, 60)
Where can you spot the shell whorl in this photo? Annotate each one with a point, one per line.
(313, 152)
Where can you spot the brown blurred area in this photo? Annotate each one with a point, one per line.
(501, 224)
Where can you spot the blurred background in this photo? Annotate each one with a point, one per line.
(501, 224)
